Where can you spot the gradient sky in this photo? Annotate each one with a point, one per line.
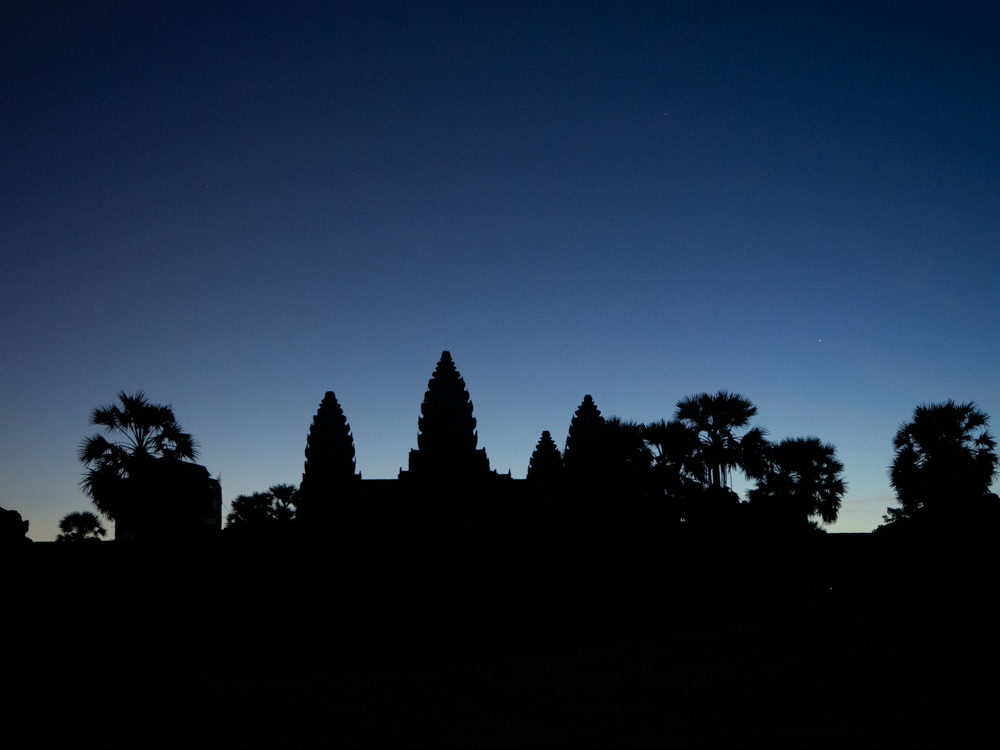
(239, 206)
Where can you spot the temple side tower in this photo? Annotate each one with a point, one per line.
(447, 439)
(546, 465)
(329, 475)
(585, 457)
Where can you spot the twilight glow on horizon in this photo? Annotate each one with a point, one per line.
(237, 207)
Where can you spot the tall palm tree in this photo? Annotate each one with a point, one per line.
(802, 480)
(140, 432)
(716, 418)
(944, 459)
(680, 475)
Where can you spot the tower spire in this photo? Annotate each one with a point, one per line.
(330, 461)
(447, 438)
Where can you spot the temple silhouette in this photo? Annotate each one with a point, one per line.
(447, 435)
(447, 487)
(447, 440)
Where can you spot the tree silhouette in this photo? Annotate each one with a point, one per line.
(141, 432)
(13, 529)
(628, 457)
(546, 465)
(802, 480)
(679, 472)
(677, 456)
(81, 527)
(263, 511)
(716, 418)
(329, 470)
(944, 462)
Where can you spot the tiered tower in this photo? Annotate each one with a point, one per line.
(446, 442)
(585, 456)
(329, 476)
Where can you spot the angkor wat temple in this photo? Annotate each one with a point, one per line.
(446, 461)
(448, 484)
(447, 439)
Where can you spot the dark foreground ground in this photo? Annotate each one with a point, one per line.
(846, 640)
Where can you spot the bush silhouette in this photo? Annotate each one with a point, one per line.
(81, 527)
(802, 481)
(944, 462)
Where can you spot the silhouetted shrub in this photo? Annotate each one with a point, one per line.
(13, 529)
(81, 527)
(263, 512)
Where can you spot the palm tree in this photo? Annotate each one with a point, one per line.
(261, 511)
(81, 527)
(677, 455)
(716, 418)
(945, 459)
(680, 475)
(140, 432)
(802, 480)
(628, 454)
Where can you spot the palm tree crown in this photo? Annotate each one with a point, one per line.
(677, 455)
(945, 452)
(80, 527)
(716, 417)
(802, 480)
(140, 432)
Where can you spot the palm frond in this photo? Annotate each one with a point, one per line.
(135, 430)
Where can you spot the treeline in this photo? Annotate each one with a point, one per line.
(943, 466)
(687, 463)
(612, 473)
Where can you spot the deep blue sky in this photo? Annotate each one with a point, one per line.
(239, 207)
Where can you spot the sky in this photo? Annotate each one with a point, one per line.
(238, 206)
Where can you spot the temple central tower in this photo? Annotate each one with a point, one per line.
(446, 441)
